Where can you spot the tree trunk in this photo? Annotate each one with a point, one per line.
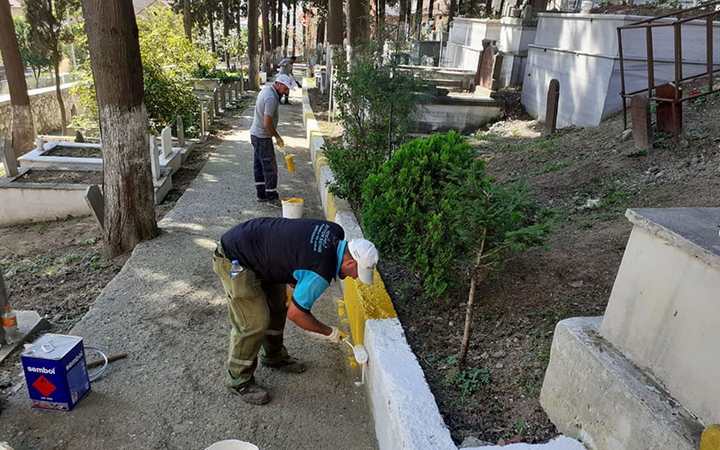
(129, 215)
(380, 22)
(451, 13)
(267, 45)
(294, 26)
(278, 30)
(187, 19)
(335, 22)
(211, 19)
(58, 94)
(430, 11)
(287, 32)
(418, 18)
(359, 26)
(474, 280)
(402, 18)
(23, 131)
(273, 30)
(252, 44)
(226, 33)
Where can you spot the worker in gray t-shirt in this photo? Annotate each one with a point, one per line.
(286, 67)
(262, 130)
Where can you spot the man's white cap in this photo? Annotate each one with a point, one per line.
(286, 80)
(366, 255)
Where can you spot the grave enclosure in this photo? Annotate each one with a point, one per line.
(53, 180)
(645, 374)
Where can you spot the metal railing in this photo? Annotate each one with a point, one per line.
(709, 12)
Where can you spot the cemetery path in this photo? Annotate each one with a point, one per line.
(166, 309)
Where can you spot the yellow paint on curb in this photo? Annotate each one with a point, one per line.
(710, 439)
(364, 302)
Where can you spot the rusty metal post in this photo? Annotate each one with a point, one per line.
(677, 31)
(622, 78)
(650, 61)
(709, 47)
(3, 302)
(642, 133)
(551, 107)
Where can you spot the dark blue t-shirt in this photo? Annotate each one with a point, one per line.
(306, 253)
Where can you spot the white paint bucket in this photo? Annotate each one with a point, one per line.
(292, 208)
(232, 444)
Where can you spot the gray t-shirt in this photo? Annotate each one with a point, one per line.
(266, 104)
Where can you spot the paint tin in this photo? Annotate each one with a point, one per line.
(55, 372)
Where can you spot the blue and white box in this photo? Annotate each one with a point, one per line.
(55, 371)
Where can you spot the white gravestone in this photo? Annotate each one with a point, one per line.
(180, 131)
(166, 141)
(154, 158)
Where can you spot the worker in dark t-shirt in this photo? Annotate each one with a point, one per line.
(255, 260)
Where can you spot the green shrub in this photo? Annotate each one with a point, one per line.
(376, 104)
(432, 204)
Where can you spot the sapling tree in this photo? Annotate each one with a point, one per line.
(49, 22)
(37, 59)
(493, 223)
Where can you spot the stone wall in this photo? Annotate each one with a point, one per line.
(45, 109)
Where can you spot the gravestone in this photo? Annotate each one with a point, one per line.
(154, 158)
(8, 157)
(96, 202)
(216, 102)
(551, 108)
(223, 97)
(180, 131)
(489, 66)
(203, 120)
(640, 114)
(166, 141)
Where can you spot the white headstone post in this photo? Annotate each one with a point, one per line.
(180, 126)
(154, 157)
(216, 102)
(166, 141)
(203, 120)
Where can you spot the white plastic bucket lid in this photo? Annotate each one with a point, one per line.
(232, 444)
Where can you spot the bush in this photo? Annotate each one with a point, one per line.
(169, 62)
(376, 104)
(432, 205)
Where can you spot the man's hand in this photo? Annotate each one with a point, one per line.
(335, 336)
(279, 141)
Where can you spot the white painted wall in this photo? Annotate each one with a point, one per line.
(32, 204)
(465, 45)
(663, 315)
(581, 52)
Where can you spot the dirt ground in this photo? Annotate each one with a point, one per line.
(60, 176)
(588, 177)
(75, 152)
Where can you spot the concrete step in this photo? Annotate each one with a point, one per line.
(592, 392)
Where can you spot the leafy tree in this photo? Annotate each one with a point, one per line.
(376, 104)
(48, 20)
(32, 56)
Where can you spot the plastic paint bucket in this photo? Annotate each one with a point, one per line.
(290, 163)
(232, 444)
(292, 208)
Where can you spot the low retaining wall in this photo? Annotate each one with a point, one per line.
(40, 202)
(45, 109)
(403, 407)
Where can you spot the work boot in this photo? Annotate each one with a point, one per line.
(287, 365)
(251, 393)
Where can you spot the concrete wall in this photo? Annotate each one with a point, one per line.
(663, 315)
(31, 202)
(581, 51)
(465, 41)
(45, 109)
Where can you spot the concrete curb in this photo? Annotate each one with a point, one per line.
(403, 407)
